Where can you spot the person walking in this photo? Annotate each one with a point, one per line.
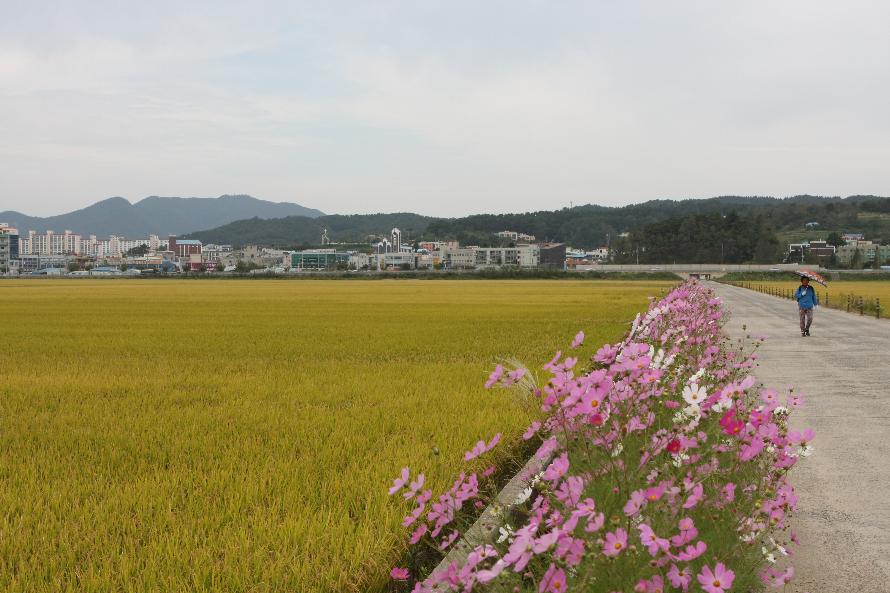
(806, 298)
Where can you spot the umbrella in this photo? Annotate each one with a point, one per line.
(812, 276)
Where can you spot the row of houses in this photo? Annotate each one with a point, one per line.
(856, 252)
(449, 256)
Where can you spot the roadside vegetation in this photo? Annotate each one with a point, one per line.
(665, 468)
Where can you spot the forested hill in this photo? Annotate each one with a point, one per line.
(582, 226)
(293, 231)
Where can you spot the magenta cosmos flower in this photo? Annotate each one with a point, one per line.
(399, 574)
(716, 581)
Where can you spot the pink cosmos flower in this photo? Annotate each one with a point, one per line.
(751, 450)
(616, 542)
(716, 581)
(570, 549)
(636, 502)
(400, 482)
(495, 376)
(680, 578)
(569, 492)
(399, 574)
(695, 497)
(557, 468)
(418, 534)
(595, 523)
(553, 581)
(777, 578)
(413, 516)
(692, 551)
(482, 448)
(579, 339)
(514, 376)
(653, 585)
(653, 543)
(532, 430)
(489, 574)
(551, 366)
(802, 437)
(415, 486)
(521, 550)
(653, 494)
(770, 396)
(729, 493)
(795, 401)
(448, 540)
(606, 354)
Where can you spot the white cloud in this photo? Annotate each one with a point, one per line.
(441, 109)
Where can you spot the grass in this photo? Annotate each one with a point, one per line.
(240, 436)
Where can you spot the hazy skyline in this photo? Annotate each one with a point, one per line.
(442, 109)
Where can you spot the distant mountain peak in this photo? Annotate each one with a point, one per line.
(158, 215)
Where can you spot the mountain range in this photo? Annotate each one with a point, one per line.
(159, 215)
(582, 226)
(243, 220)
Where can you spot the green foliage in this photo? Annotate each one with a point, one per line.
(701, 238)
(586, 226)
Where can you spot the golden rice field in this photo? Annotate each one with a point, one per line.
(176, 435)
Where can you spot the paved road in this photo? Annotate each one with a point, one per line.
(843, 370)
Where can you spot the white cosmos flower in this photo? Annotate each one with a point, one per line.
(523, 496)
(506, 532)
(678, 459)
(692, 411)
(694, 395)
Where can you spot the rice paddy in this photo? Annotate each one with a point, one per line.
(170, 435)
(838, 292)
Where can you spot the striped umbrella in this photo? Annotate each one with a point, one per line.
(812, 276)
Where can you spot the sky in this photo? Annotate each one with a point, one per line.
(442, 108)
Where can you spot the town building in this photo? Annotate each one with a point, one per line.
(319, 259)
(359, 261)
(801, 252)
(515, 236)
(552, 255)
(458, 258)
(525, 256)
(863, 254)
(9, 248)
(183, 248)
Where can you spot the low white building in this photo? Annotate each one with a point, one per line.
(359, 261)
(524, 256)
(458, 258)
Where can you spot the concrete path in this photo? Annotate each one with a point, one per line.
(843, 370)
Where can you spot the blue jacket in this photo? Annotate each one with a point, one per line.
(806, 297)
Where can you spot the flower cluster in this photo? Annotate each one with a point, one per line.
(665, 468)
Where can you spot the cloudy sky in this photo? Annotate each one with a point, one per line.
(442, 108)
